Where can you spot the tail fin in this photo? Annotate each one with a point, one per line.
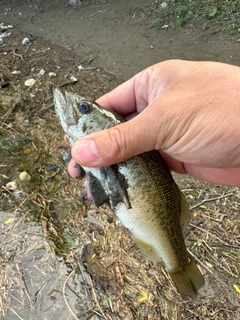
(188, 281)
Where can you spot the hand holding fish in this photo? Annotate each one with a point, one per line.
(139, 190)
(189, 111)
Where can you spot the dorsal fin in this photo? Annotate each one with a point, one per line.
(184, 210)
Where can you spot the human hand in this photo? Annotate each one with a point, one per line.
(189, 111)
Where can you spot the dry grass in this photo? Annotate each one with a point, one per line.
(64, 259)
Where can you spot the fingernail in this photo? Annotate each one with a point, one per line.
(85, 152)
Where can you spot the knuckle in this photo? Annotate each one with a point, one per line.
(118, 144)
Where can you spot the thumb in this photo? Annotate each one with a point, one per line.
(116, 144)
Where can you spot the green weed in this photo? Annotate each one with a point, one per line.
(214, 15)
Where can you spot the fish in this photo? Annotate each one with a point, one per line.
(139, 190)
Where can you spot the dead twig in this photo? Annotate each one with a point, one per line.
(202, 264)
(90, 68)
(99, 11)
(2, 307)
(18, 55)
(109, 71)
(64, 294)
(14, 312)
(210, 199)
(6, 115)
(96, 301)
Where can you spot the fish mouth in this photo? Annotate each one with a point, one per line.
(63, 102)
(59, 101)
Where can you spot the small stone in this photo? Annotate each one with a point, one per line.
(25, 41)
(73, 79)
(29, 82)
(12, 185)
(52, 74)
(164, 5)
(24, 176)
(41, 72)
(74, 2)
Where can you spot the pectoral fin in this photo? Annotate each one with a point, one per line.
(98, 194)
(116, 186)
(108, 187)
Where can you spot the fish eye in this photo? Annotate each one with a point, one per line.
(85, 106)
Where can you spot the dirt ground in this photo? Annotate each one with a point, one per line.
(61, 258)
(111, 32)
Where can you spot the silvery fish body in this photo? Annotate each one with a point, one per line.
(140, 191)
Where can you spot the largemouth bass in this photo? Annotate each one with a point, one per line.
(140, 191)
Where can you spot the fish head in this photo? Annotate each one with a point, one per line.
(80, 116)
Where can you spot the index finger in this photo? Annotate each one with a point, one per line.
(121, 99)
(127, 98)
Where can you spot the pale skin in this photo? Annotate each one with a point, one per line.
(188, 111)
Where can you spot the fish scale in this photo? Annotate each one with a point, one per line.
(139, 190)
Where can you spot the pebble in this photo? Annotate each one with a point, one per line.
(25, 41)
(12, 185)
(41, 72)
(29, 82)
(52, 74)
(164, 5)
(24, 176)
(74, 2)
(73, 79)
